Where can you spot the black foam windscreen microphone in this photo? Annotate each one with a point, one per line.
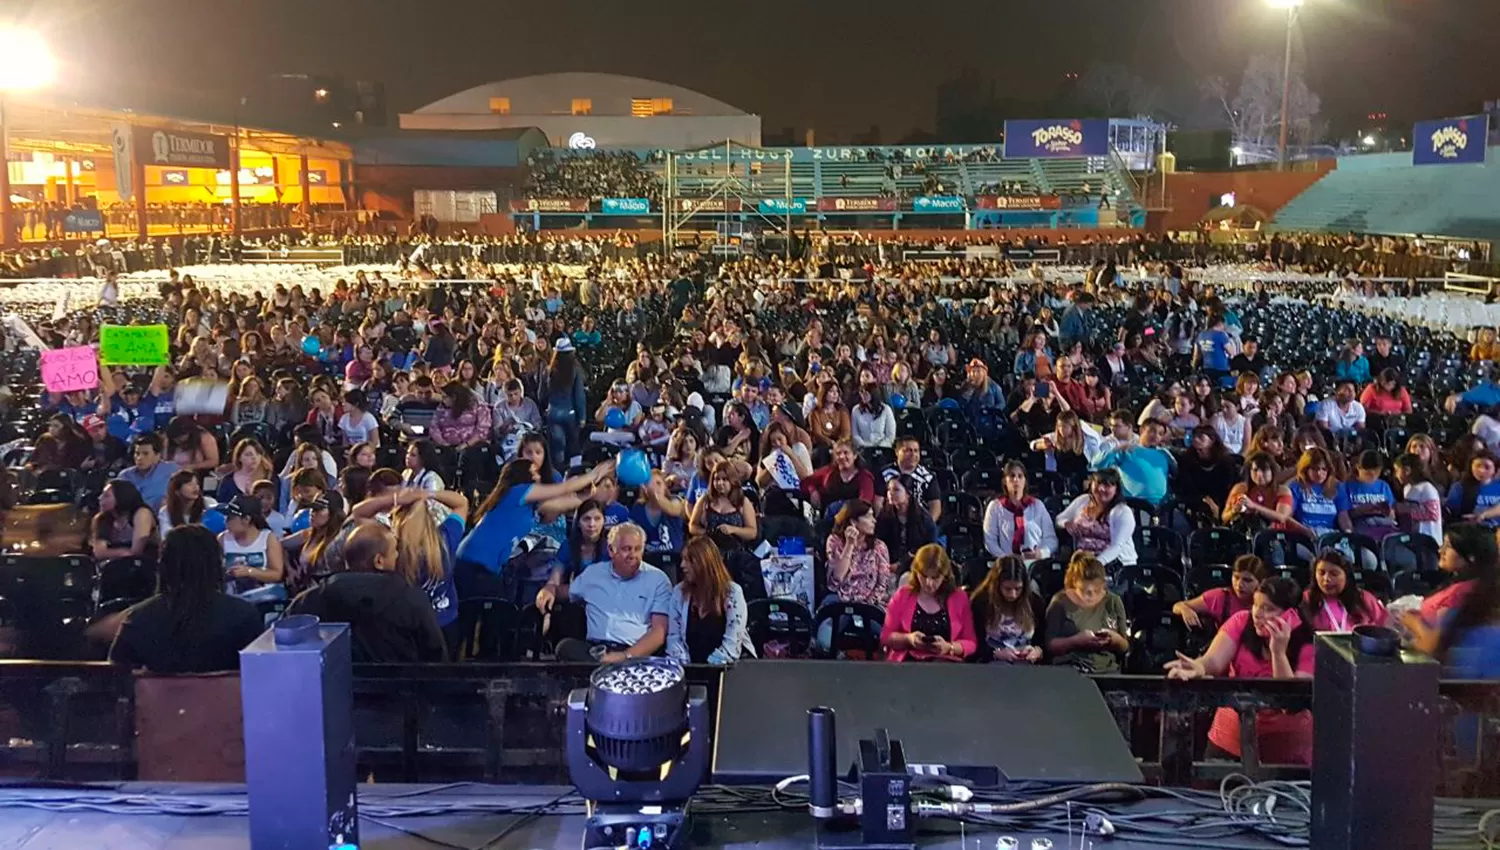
(822, 763)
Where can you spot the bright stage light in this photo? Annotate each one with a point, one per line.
(1284, 4)
(25, 61)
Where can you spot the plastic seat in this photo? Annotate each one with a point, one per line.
(1154, 642)
(1409, 552)
(877, 457)
(1148, 590)
(779, 628)
(486, 629)
(983, 482)
(1047, 577)
(1205, 577)
(854, 630)
(1158, 545)
(1216, 546)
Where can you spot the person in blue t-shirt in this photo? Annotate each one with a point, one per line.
(1144, 468)
(1320, 504)
(661, 515)
(1213, 349)
(510, 511)
(1476, 497)
(428, 526)
(1372, 504)
(607, 494)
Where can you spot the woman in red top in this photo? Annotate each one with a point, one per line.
(1469, 550)
(1270, 641)
(1258, 502)
(1385, 395)
(1221, 603)
(929, 618)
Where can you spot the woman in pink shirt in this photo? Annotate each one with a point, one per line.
(1469, 550)
(859, 565)
(929, 618)
(1335, 602)
(1385, 395)
(1270, 641)
(1221, 603)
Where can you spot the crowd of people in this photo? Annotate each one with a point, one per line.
(591, 174)
(983, 463)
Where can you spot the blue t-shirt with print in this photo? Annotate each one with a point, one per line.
(614, 514)
(1317, 511)
(1375, 493)
(664, 534)
(1487, 497)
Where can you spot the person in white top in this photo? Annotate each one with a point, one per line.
(1016, 523)
(1233, 427)
(1099, 521)
(871, 421)
(357, 424)
(254, 562)
(421, 466)
(1342, 414)
(1421, 506)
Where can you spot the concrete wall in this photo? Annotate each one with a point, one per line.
(1190, 195)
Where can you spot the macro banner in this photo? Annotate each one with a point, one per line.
(1029, 202)
(856, 205)
(549, 205)
(625, 206)
(1451, 141)
(175, 148)
(779, 206)
(937, 204)
(83, 221)
(1056, 138)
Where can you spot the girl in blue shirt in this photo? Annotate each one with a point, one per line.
(1320, 504)
(1476, 497)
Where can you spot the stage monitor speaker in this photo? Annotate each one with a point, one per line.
(984, 722)
(1375, 747)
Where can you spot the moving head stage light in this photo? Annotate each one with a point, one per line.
(637, 750)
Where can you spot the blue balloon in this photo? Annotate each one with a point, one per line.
(311, 346)
(632, 468)
(948, 404)
(615, 418)
(898, 401)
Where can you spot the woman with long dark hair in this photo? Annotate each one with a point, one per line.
(1007, 614)
(1205, 473)
(1469, 555)
(903, 524)
(191, 625)
(1334, 603)
(859, 565)
(1100, 522)
(708, 616)
(325, 521)
(124, 526)
(186, 505)
(1016, 522)
(510, 511)
(565, 400)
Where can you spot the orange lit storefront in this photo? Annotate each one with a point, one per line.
(75, 173)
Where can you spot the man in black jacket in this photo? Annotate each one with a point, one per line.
(389, 620)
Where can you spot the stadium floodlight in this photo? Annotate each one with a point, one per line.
(1368, 141)
(26, 63)
(1284, 4)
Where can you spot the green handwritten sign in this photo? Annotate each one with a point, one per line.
(133, 345)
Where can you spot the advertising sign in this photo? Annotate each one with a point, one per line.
(177, 148)
(779, 206)
(937, 204)
(708, 205)
(625, 206)
(1030, 202)
(1451, 141)
(120, 142)
(83, 221)
(1056, 138)
(546, 205)
(856, 205)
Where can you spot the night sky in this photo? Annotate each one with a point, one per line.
(838, 66)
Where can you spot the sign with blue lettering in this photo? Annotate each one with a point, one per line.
(1056, 138)
(625, 206)
(83, 221)
(779, 206)
(937, 204)
(1450, 141)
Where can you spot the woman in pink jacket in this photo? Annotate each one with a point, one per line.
(929, 618)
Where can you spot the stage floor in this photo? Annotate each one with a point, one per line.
(34, 829)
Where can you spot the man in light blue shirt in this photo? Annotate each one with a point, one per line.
(627, 603)
(151, 474)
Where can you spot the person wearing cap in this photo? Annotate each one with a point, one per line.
(126, 412)
(254, 563)
(979, 392)
(563, 391)
(107, 452)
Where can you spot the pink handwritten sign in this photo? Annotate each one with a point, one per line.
(68, 369)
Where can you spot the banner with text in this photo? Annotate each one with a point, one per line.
(133, 345)
(67, 369)
(779, 206)
(83, 221)
(937, 204)
(547, 205)
(625, 206)
(1007, 202)
(856, 205)
(1056, 138)
(1451, 141)
(177, 148)
(708, 205)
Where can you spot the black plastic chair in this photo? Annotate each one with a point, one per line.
(983, 482)
(1148, 590)
(1047, 577)
(1400, 553)
(1361, 549)
(855, 630)
(133, 578)
(1158, 545)
(1154, 642)
(779, 628)
(1216, 546)
(486, 629)
(1202, 578)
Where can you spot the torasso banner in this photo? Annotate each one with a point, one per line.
(176, 148)
(1451, 140)
(1056, 138)
(625, 206)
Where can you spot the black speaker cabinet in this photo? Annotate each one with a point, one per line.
(1375, 747)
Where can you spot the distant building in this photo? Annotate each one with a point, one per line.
(581, 110)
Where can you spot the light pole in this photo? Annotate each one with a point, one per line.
(1291, 7)
(25, 64)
